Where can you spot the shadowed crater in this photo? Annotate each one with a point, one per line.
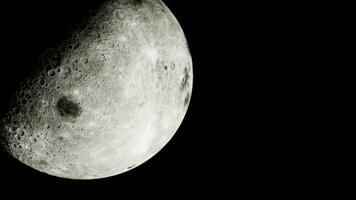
(130, 167)
(67, 108)
(185, 80)
(187, 99)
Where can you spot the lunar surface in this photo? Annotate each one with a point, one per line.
(105, 100)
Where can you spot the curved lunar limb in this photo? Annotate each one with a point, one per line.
(107, 99)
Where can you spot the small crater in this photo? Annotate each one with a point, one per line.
(119, 14)
(22, 133)
(68, 108)
(42, 162)
(85, 60)
(16, 110)
(76, 46)
(42, 81)
(51, 73)
(132, 166)
(65, 70)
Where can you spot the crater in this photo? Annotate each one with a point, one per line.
(187, 100)
(131, 166)
(68, 108)
(42, 162)
(185, 80)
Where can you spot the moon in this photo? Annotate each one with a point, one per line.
(106, 99)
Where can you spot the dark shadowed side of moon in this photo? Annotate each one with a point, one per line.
(107, 98)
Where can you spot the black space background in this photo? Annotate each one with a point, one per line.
(194, 160)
